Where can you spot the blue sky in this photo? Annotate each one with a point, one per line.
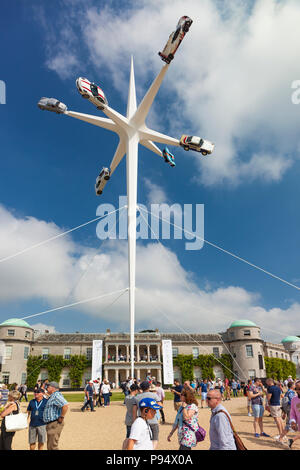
(249, 186)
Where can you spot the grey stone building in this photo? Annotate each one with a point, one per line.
(242, 340)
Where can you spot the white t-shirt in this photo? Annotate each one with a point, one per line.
(105, 388)
(141, 433)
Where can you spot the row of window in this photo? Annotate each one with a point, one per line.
(216, 352)
(11, 333)
(9, 352)
(283, 356)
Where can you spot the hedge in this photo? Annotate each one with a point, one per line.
(279, 369)
(54, 366)
(186, 364)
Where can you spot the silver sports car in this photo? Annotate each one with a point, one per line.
(52, 104)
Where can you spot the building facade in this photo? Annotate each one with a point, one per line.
(242, 340)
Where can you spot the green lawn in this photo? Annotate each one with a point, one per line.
(79, 396)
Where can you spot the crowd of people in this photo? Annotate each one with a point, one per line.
(144, 403)
(46, 413)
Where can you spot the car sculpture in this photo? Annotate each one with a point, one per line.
(52, 104)
(91, 92)
(102, 180)
(175, 39)
(169, 157)
(192, 142)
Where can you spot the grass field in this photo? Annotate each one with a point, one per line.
(79, 396)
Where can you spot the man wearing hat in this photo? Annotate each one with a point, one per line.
(54, 415)
(37, 426)
(153, 422)
(141, 434)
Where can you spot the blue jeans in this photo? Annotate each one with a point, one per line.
(88, 402)
(106, 399)
(235, 393)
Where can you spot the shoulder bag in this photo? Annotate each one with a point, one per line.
(16, 422)
(238, 441)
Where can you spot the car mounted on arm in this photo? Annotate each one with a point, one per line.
(91, 92)
(52, 104)
(102, 180)
(175, 39)
(168, 157)
(192, 142)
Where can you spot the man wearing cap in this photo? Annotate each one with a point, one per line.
(37, 426)
(89, 392)
(141, 434)
(54, 414)
(153, 422)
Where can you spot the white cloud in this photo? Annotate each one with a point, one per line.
(230, 80)
(43, 327)
(62, 272)
(156, 193)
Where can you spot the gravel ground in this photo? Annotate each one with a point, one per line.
(105, 429)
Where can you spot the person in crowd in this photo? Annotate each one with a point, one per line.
(96, 385)
(130, 403)
(256, 394)
(99, 399)
(227, 388)
(161, 396)
(286, 408)
(187, 386)
(273, 400)
(37, 426)
(89, 394)
(23, 390)
(220, 432)
(186, 421)
(125, 389)
(295, 415)
(3, 395)
(106, 390)
(153, 422)
(203, 389)
(12, 407)
(54, 415)
(176, 390)
(246, 390)
(38, 385)
(234, 388)
(141, 437)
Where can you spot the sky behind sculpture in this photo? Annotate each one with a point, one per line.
(230, 82)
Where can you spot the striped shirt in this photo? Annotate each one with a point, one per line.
(53, 408)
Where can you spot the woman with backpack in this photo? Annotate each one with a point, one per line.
(12, 407)
(186, 421)
(286, 408)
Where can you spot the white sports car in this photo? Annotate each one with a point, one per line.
(92, 92)
(102, 180)
(175, 39)
(192, 142)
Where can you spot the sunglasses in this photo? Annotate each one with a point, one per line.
(209, 398)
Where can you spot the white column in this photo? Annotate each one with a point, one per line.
(138, 374)
(132, 165)
(106, 374)
(127, 353)
(117, 377)
(148, 352)
(159, 375)
(158, 353)
(106, 353)
(117, 352)
(138, 353)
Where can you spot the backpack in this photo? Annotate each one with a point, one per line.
(285, 404)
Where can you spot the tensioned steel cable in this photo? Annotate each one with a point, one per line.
(80, 302)
(92, 259)
(225, 251)
(165, 251)
(25, 250)
(190, 336)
